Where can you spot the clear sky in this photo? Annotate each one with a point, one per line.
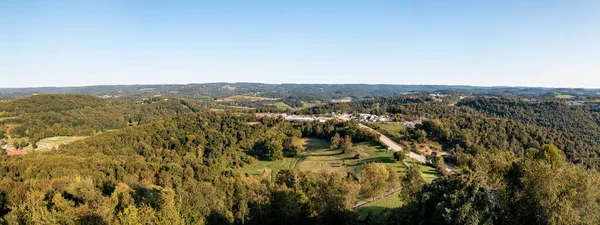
(482, 42)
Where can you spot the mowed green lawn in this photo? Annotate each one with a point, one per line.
(391, 129)
(380, 207)
(319, 157)
(272, 167)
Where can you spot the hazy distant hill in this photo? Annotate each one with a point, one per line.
(319, 91)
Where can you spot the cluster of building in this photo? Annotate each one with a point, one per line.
(293, 117)
(363, 117)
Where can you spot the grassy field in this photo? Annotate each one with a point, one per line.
(271, 167)
(47, 143)
(392, 130)
(562, 96)
(390, 127)
(380, 207)
(429, 173)
(281, 105)
(305, 105)
(319, 157)
(241, 98)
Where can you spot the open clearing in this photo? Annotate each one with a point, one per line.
(271, 167)
(319, 157)
(305, 105)
(48, 143)
(563, 96)
(381, 207)
(391, 129)
(281, 105)
(241, 98)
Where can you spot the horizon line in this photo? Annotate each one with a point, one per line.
(248, 82)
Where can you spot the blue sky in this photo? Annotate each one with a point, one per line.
(509, 43)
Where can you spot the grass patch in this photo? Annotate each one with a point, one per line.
(281, 105)
(563, 96)
(319, 157)
(391, 129)
(381, 207)
(49, 143)
(46, 143)
(245, 98)
(271, 167)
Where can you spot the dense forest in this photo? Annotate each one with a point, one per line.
(580, 124)
(179, 161)
(42, 116)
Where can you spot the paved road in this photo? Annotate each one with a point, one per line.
(392, 145)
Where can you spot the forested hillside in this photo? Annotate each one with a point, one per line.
(175, 162)
(183, 169)
(42, 116)
(486, 124)
(580, 124)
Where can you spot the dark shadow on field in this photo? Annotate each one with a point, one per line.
(315, 144)
(326, 154)
(429, 172)
(372, 213)
(374, 145)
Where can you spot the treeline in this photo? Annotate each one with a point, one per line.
(47, 103)
(377, 106)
